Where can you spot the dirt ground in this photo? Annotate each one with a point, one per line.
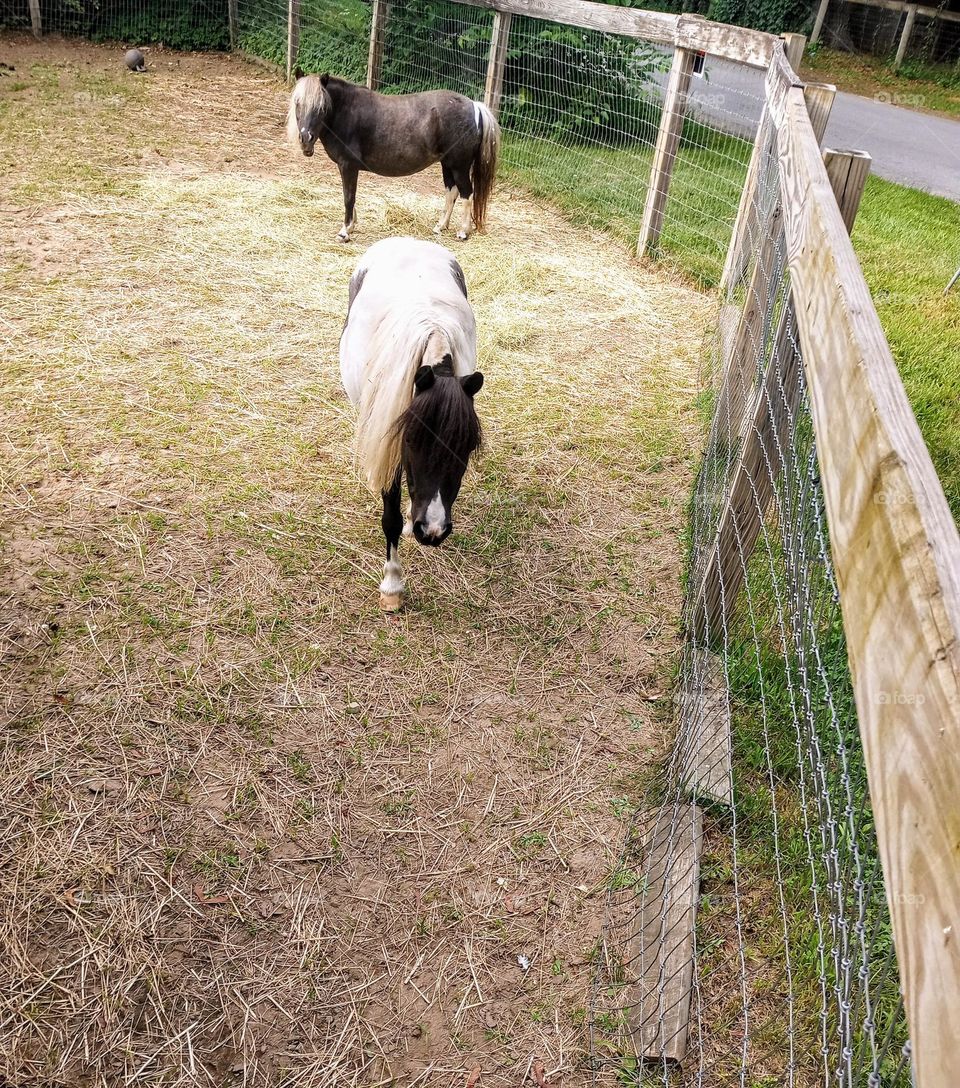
(251, 830)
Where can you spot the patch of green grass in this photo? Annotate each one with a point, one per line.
(903, 240)
(606, 188)
(917, 85)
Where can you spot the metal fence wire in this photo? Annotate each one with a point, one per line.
(749, 939)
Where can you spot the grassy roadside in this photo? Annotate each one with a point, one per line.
(906, 243)
(918, 86)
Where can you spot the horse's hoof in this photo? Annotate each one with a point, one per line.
(343, 238)
(462, 235)
(438, 229)
(391, 602)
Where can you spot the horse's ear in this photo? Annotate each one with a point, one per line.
(298, 72)
(324, 79)
(472, 383)
(423, 379)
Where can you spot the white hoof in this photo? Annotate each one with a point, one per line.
(343, 236)
(462, 235)
(438, 229)
(391, 602)
(408, 528)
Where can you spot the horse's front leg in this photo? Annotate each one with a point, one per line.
(348, 176)
(392, 587)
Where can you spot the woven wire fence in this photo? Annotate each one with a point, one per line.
(862, 28)
(580, 111)
(749, 938)
(179, 24)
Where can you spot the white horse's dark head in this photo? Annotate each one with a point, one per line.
(439, 432)
(309, 103)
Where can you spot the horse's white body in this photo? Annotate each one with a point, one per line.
(409, 310)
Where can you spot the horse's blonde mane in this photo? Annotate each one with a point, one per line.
(309, 93)
(401, 343)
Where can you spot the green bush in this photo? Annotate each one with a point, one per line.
(334, 36)
(774, 16)
(188, 24)
(560, 83)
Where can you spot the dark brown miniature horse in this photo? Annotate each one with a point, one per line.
(398, 135)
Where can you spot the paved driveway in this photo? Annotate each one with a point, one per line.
(917, 149)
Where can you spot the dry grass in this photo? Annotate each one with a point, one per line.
(251, 831)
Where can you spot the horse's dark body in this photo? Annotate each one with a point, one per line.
(398, 135)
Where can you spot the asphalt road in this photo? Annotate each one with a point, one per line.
(921, 150)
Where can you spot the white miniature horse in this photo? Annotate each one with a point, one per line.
(408, 359)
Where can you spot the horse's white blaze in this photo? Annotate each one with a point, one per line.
(444, 221)
(392, 574)
(410, 310)
(435, 519)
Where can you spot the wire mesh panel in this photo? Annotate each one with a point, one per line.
(433, 44)
(333, 34)
(933, 40)
(749, 939)
(179, 24)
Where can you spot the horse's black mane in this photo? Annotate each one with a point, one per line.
(442, 416)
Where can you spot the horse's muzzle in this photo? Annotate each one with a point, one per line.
(431, 538)
(306, 143)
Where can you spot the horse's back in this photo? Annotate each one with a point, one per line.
(407, 286)
(396, 135)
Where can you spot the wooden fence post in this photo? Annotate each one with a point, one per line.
(378, 30)
(665, 153)
(744, 224)
(847, 171)
(232, 19)
(819, 21)
(493, 90)
(905, 36)
(35, 24)
(794, 45)
(293, 37)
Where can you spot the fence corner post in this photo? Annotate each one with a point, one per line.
(232, 20)
(793, 46)
(819, 99)
(493, 89)
(36, 27)
(378, 29)
(293, 37)
(665, 153)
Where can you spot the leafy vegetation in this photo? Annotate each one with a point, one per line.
(334, 36)
(188, 24)
(916, 85)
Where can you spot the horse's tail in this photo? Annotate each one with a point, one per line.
(484, 168)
